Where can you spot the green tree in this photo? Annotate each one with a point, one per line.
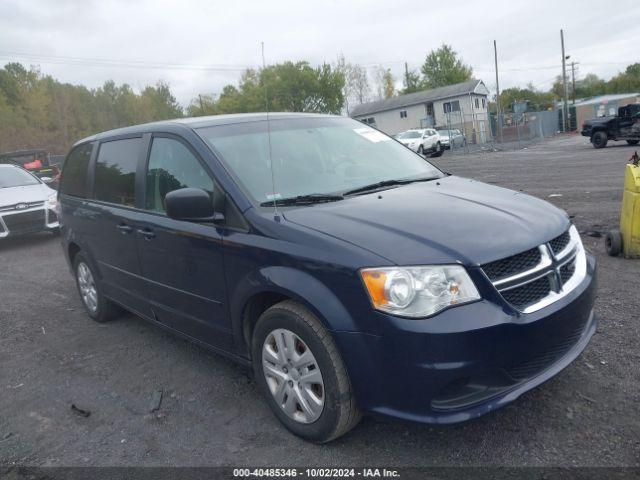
(536, 99)
(412, 82)
(627, 81)
(289, 87)
(442, 67)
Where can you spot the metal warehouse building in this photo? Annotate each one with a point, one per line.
(461, 106)
(604, 105)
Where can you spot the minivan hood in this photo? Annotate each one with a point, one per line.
(451, 220)
(26, 194)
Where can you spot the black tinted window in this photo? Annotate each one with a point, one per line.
(115, 176)
(172, 166)
(74, 175)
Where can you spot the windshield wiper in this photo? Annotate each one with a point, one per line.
(304, 199)
(386, 183)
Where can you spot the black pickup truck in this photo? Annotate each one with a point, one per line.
(624, 126)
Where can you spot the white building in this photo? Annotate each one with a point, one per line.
(462, 106)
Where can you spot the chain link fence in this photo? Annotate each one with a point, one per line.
(509, 131)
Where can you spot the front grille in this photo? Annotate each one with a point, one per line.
(567, 271)
(560, 242)
(539, 363)
(529, 293)
(25, 222)
(512, 265)
(9, 208)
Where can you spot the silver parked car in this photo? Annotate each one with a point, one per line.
(27, 205)
(451, 138)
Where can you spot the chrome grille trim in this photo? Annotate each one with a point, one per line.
(550, 266)
(11, 208)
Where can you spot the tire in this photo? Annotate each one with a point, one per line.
(613, 243)
(420, 150)
(439, 151)
(599, 139)
(632, 142)
(338, 413)
(105, 309)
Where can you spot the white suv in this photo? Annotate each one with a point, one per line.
(423, 141)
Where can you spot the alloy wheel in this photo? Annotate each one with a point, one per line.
(87, 285)
(293, 376)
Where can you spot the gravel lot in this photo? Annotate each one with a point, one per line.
(52, 355)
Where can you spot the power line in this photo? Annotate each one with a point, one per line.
(105, 62)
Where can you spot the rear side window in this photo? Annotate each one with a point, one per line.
(172, 166)
(74, 175)
(115, 176)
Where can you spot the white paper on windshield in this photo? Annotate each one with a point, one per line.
(372, 135)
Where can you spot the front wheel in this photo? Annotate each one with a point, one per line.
(632, 142)
(599, 139)
(420, 150)
(300, 372)
(438, 152)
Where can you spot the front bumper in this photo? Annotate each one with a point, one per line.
(469, 360)
(23, 222)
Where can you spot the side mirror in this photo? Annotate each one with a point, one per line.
(191, 205)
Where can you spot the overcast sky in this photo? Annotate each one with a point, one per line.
(199, 46)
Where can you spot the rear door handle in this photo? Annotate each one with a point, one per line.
(124, 228)
(147, 233)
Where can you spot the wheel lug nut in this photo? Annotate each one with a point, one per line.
(290, 383)
(285, 369)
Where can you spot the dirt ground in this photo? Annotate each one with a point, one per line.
(52, 356)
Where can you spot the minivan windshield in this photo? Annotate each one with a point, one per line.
(312, 156)
(16, 177)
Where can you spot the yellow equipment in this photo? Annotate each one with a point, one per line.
(627, 239)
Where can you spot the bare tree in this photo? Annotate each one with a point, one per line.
(356, 88)
(385, 82)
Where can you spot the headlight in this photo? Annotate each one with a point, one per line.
(418, 291)
(52, 201)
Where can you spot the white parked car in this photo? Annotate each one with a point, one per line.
(424, 141)
(27, 205)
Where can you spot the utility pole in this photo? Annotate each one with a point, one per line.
(573, 82)
(498, 118)
(565, 117)
(406, 75)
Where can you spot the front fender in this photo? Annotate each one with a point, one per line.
(293, 283)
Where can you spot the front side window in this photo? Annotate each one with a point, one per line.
(115, 176)
(172, 166)
(16, 177)
(74, 176)
(316, 155)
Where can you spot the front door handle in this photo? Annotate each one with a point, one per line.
(147, 233)
(124, 228)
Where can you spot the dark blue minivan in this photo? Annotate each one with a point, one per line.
(351, 274)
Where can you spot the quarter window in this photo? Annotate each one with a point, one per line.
(115, 176)
(74, 176)
(172, 166)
